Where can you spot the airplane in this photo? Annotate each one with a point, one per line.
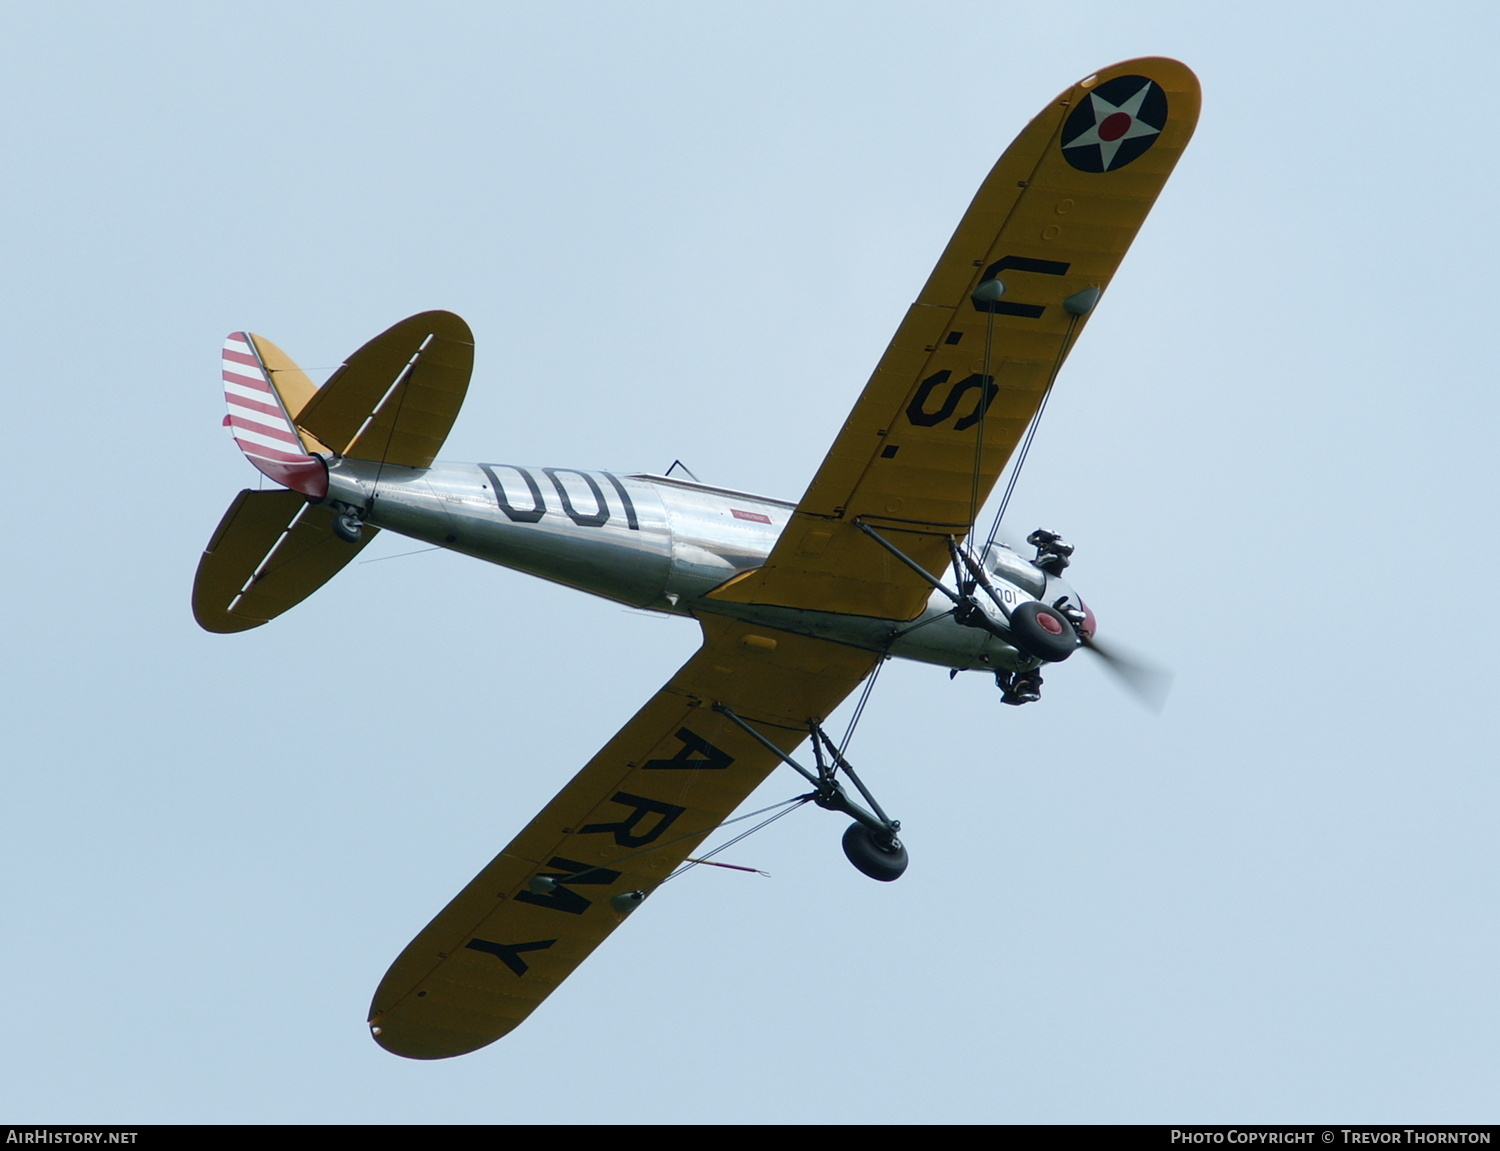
(799, 603)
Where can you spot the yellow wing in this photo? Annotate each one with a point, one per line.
(1051, 222)
(632, 815)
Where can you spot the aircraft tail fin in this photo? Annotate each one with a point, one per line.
(260, 418)
(393, 401)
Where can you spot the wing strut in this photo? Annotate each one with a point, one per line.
(872, 829)
(1078, 305)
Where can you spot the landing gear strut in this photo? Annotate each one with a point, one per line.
(871, 842)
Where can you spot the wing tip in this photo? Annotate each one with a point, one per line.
(412, 1040)
(1173, 75)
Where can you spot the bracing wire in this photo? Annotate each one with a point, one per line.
(1015, 472)
(859, 708)
(787, 807)
(1036, 420)
(906, 631)
(403, 381)
(401, 555)
(982, 411)
(790, 804)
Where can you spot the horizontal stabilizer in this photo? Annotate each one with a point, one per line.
(395, 399)
(269, 553)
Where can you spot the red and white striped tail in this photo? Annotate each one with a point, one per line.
(260, 425)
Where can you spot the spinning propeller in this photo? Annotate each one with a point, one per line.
(1148, 682)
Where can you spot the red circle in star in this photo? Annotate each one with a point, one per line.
(1113, 126)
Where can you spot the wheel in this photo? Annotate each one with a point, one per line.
(869, 856)
(347, 528)
(1043, 632)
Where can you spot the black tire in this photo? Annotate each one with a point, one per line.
(347, 528)
(869, 856)
(1043, 632)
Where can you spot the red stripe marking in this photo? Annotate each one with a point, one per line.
(255, 406)
(307, 476)
(266, 453)
(282, 434)
(261, 429)
(246, 381)
(755, 516)
(241, 358)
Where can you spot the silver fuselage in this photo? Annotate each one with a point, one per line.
(654, 543)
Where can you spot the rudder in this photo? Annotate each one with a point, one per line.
(260, 423)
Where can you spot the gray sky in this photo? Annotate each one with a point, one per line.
(687, 231)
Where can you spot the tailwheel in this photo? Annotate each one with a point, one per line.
(880, 856)
(348, 527)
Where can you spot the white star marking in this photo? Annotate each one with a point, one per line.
(1103, 109)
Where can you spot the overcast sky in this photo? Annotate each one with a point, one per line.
(686, 231)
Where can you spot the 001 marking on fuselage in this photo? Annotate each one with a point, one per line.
(596, 518)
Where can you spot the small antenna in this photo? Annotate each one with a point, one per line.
(679, 464)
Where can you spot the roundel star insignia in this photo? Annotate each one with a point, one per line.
(1115, 124)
